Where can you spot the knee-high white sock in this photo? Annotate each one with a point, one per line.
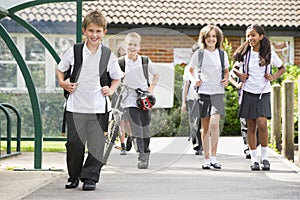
(253, 156)
(264, 153)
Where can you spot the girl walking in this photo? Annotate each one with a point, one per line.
(255, 57)
(209, 74)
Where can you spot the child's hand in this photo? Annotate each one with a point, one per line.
(183, 108)
(106, 91)
(67, 85)
(224, 82)
(269, 76)
(198, 82)
(244, 77)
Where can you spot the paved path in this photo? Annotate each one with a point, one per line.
(174, 173)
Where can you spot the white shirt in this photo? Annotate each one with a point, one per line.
(134, 78)
(256, 82)
(88, 98)
(191, 94)
(211, 71)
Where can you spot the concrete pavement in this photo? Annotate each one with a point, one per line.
(174, 173)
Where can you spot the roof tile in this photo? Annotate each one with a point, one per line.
(278, 13)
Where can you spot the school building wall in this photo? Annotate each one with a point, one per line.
(161, 48)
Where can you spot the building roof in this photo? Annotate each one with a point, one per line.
(272, 13)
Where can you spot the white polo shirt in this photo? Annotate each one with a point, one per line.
(210, 71)
(134, 78)
(88, 98)
(256, 82)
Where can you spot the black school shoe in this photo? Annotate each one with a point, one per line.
(73, 183)
(216, 165)
(265, 165)
(206, 166)
(88, 184)
(247, 153)
(255, 166)
(129, 143)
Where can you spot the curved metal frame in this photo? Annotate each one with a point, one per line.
(38, 133)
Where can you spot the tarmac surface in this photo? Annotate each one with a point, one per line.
(174, 173)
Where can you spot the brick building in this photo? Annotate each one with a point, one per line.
(168, 27)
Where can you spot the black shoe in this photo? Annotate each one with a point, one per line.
(247, 152)
(206, 166)
(89, 185)
(198, 152)
(216, 165)
(143, 161)
(128, 143)
(73, 183)
(255, 166)
(266, 165)
(142, 165)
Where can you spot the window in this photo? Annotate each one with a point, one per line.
(35, 59)
(62, 45)
(284, 47)
(8, 66)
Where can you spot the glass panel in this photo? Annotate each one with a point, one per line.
(38, 74)
(61, 46)
(282, 48)
(5, 54)
(8, 75)
(34, 50)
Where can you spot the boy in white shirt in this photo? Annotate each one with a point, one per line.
(88, 104)
(139, 119)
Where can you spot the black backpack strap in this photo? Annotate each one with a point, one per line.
(121, 61)
(221, 53)
(145, 62)
(104, 75)
(77, 50)
(77, 62)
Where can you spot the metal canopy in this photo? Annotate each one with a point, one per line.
(8, 9)
(13, 3)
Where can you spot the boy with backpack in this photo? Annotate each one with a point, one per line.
(138, 109)
(94, 75)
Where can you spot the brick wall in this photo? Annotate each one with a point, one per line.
(297, 51)
(160, 48)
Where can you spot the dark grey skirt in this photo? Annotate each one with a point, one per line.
(252, 107)
(211, 104)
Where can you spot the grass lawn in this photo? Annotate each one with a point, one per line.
(28, 146)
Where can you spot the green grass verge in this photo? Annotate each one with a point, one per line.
(28, 146)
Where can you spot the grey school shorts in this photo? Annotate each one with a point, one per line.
(211, 104)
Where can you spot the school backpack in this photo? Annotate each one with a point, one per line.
(104, 75)
(200, 57)
(145, 62)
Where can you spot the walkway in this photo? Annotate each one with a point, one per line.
(174, 173)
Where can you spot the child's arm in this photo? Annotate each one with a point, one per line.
(196, 81)
(186, 86)
(108, 91)
(65, 84)
(243, 76)
(271, 77)
(235, 83)
(226, 77)
(154, 82)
